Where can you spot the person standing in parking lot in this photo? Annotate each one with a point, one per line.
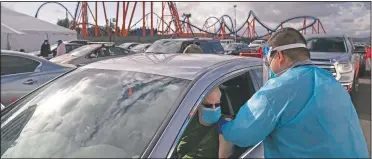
(61, 48)
(302, 111)
(45, 49)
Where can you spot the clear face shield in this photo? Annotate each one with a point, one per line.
(269, 53)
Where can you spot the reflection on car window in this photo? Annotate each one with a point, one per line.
(335, 44)
(90, 113)
(140, 46)
(165, 46)
(259, 75)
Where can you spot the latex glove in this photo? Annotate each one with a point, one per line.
(222, 122)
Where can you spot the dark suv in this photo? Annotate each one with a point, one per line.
(208, 45)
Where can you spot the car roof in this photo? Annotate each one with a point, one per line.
(325, 36)
(185, 66)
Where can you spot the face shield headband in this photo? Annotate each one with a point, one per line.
(268, 51)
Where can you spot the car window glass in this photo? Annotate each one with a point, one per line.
(91, 113)
(331, 44)
(165, 46)
(206, 47)
(112, 51)
(17, 64)
(259, 76)
(81, 51)
(200, 141)
(69, 48)
(216, 47)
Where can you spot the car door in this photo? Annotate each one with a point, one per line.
(19, 76)
(252, 151)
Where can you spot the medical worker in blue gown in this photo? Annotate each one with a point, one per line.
(301, 111)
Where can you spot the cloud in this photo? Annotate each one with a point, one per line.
(348, 17)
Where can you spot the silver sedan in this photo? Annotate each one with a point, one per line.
(138, 106)
(21, 73)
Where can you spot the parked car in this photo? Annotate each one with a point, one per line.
(236, 48)
(91, 53)
(336, 54)
(208, 45)
(132, 107)
(21, 73)
(128, 45)
(255, 45)
(141, 47)
(361, 49)
(53, 48)
(82, 42)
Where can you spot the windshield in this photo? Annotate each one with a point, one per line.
(140, 46)
(165, 46)
(90, 113)
(81, 51)
(335, 44)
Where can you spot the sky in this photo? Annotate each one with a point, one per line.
(352, 18)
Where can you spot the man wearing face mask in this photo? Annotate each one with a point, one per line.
(300, 112)
(200, 139)
(45, 49)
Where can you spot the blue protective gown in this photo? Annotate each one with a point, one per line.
(303, 113)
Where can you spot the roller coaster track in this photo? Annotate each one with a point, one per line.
(225, 21)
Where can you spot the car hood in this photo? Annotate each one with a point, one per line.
(335, 56)
(63, 58)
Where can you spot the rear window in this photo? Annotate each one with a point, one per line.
(90, 113)
(335, 44)
(360, 49)
(165, 46)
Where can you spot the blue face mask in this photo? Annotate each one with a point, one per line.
(272, 74)
(211, 116)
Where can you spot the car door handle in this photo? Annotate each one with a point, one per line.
(29, 82)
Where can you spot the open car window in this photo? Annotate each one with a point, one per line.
(198, 141)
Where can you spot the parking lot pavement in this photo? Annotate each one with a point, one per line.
(362, 103)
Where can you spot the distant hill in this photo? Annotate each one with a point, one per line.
(365, 40)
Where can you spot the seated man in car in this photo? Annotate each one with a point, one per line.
(200, 138)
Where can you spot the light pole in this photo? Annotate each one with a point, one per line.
(235, 22)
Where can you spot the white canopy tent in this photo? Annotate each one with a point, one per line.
(20, 31)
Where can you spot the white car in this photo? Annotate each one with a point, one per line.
(256, 44)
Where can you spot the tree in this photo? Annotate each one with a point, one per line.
(64, 22)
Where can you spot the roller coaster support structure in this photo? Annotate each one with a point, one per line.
(222, 27)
